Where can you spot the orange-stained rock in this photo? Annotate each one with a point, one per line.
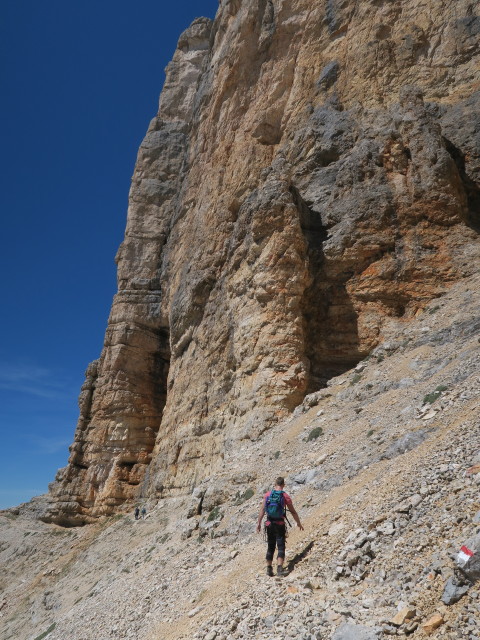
(311, 176)
(407, 613)
(432, 623)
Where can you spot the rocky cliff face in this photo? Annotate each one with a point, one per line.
(312, 175)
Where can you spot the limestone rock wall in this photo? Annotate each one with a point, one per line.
(313, 173)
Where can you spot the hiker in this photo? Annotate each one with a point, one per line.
(144, 512)
(137, 513)
(274, 504)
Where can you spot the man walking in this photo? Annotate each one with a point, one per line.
(274, 505)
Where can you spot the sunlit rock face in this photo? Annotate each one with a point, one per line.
(312, 173)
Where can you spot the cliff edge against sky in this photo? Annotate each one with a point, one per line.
(312, 175)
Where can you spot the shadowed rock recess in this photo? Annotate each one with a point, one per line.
(312, 173)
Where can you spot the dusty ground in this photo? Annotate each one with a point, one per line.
(171, 577)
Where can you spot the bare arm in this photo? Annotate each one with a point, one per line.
(295, 515)
(260, 516)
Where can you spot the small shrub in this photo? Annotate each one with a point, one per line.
(276, 455)
(244, 496)
(249, 493)
(434, 309)
(125, 570)
(356, 378)
(380, 358)
(314, 434)
(163, 539)
(214, 514)
(430, 398)
(45, 633)
(370, 433)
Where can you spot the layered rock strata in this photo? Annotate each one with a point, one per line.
(313, 172)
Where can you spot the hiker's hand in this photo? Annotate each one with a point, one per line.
(300, 526)
(259, 528)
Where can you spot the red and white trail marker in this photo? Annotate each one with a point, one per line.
(464, 555)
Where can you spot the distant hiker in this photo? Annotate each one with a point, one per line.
(137, 513)
(274, 505)
(144, 512)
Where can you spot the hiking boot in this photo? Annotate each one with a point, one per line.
(281, 573)
(269, 570)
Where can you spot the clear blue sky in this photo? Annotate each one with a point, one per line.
(80, 82)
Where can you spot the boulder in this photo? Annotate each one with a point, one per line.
(407, 613)
(454, 590)
(468, 558)
(350, 631)
(432, 623)
(406, 443)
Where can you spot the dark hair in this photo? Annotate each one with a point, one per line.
(280, 481)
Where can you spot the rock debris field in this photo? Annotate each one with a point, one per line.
(383, 466)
